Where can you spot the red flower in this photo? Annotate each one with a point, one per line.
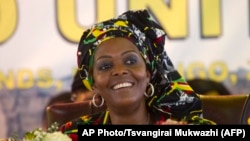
(73, 136)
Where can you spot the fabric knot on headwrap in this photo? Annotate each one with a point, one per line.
(173, 96)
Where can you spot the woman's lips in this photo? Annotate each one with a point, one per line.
(122, 85)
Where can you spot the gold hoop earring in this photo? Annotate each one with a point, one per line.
(152, 90)
(93, 101)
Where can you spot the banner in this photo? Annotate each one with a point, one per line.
(38, 43)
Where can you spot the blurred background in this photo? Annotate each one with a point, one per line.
(208, 39)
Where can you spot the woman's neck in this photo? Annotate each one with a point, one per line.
(139, 117)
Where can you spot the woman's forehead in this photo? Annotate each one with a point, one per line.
(116, 45)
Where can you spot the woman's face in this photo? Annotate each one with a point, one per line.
(119, 73)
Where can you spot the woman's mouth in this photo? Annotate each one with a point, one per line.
(122, 85)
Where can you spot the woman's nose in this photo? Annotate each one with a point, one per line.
(119, 70)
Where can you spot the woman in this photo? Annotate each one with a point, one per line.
(124, 62)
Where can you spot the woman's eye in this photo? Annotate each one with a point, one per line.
(131, 61)
(105, 66)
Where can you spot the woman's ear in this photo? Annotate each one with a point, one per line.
(148, 76)
(93, 87)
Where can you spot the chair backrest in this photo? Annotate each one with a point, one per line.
(246, 112)
(62, 113)
(226, 109)
(223, 109)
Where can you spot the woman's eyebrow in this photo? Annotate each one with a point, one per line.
(122, 54)
(128, 51)
(102, 57)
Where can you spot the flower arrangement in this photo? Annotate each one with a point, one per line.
(52, 134)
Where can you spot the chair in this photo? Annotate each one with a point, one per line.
(62, 113)
(226, 109)
(246, 112)
(223, 109)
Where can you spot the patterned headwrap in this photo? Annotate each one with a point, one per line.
(173, 96)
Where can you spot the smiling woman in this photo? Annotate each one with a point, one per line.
(120, 76)
(123, 61)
